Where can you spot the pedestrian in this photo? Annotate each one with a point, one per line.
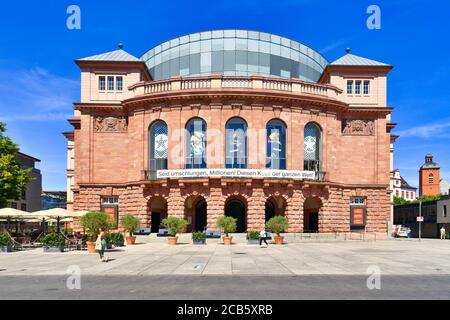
(442, 233)
(100, 245)
(262, 237)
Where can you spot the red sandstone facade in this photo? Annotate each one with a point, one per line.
(110, 145)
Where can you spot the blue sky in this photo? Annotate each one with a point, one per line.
(39, 81)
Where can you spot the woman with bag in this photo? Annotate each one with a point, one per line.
(100, 245)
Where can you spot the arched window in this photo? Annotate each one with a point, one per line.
(158, 142)
(195, 144)
(276, 145)
(312, 147)
(236, 144)
(430, 179)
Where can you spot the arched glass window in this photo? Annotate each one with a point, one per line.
(158, 142)
(195, 144)
(276, 145)
(312, 144)
(236, 144)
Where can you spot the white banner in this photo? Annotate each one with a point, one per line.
(235, 173)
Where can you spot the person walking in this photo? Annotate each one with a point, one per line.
(262, 237)
(442, 233)
(100, 246)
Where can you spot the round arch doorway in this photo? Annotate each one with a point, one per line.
(196, 214)
(200, 220)
(157, 209)
(275, 206)
(236, 208)
(311, 209)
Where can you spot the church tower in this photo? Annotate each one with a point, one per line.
(429, 177)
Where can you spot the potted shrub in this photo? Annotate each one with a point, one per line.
(53, 242)
(117, 239)
(92, 222)
(228, 225)
(198, 237)
(130, 223)
(175, 226)
(5, 242)
(108, 240)
(277, 225)
(253, 237)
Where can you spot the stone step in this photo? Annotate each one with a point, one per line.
(288, 237)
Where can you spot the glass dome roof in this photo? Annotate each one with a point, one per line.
(234, 53)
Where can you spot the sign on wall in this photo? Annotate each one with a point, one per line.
(358, 216)
(112, 213)
(235, 173)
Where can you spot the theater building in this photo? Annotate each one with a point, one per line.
(233, 122)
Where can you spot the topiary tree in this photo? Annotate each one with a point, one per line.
(227, 224)
(174, 225)
(93, 222)
(130, 223)
(277, 224)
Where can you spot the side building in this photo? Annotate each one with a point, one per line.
(53, 199)
(401, 188)
(406, 215)
(30, 199)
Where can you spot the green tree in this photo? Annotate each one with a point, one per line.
(13, 179)
(399, 201)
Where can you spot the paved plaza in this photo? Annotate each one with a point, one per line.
(301, 270)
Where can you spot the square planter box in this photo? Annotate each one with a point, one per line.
(6, 249)
(253, 241)
(53, 249)
(199, 241)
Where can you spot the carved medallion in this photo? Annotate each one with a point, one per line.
(358, 128)
(110, 124)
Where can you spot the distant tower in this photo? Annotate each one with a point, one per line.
(429, 177)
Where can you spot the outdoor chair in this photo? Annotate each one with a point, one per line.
(71, 244)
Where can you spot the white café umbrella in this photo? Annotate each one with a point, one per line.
(11, 213)
(59, 214)
(15, 213)
(56, 213)
(53, 213)
(78, 214)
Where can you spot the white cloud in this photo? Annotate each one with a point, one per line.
(433, 130)
(36, 95)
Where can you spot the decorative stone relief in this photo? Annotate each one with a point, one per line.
(110, 124)
(358, 128)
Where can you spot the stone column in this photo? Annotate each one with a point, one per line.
(294, 211)
(215, 205)
(256, 209)
(175, 203)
